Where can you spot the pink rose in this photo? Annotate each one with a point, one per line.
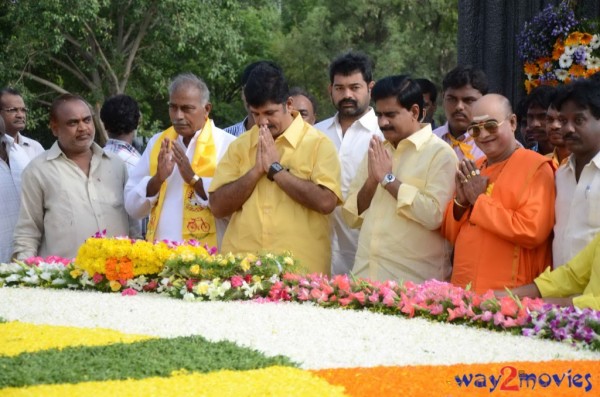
(98, 278)
(237, 281)
(129, 292)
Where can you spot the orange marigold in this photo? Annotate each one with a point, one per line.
(586, 38)
(577, 71)
(531, 68)
(119, 269)
(545, 63)
(574, 38)
(558, 49)
(531, 84)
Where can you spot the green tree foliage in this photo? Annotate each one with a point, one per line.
(100, 48)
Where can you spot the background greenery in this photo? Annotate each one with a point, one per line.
(99, 48)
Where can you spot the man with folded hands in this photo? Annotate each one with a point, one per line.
(502, 214)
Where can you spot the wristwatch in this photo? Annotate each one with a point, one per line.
(388, 178)
(273, 169)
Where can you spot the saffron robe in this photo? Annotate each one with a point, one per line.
(504, 240)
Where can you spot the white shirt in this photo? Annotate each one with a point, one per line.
(171, 219)
(577, 209)
(32, 147)
(10, 188)
(352, 147)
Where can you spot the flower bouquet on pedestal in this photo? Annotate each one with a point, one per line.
(556, 47)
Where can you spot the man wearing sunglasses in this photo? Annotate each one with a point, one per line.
(502, 214)
(14, 113)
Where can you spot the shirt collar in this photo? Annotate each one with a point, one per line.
(420, 137)
(368, 120)
(292, 134)
(55, 151)
(9, 140)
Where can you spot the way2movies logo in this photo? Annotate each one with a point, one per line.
(511, 379)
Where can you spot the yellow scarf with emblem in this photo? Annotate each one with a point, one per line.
(198, 220)
(464, 147)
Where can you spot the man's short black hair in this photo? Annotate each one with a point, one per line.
(120, 115)
(541, 97)
(351, 62)
(428, 87)
(266, 84)
(461, 76)
(301, 91)
(584, 93)
(248, 69)
(406, 91)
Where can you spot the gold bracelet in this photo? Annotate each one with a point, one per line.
(194, 180)
(459, 204)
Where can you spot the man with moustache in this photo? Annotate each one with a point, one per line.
(537, 103)
(501, 218)
(461, 87)
(401, 190)
(14, 113)
(171, 180)
(560, 154)
(71, 191)
(577, 205)
(279, 181)
(350, 129)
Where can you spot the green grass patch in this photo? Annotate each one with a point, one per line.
(156, 357)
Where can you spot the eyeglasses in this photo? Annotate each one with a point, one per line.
(490, 126)
(15, 110)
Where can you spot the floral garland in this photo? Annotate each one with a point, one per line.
(556, 48)
(268, 278)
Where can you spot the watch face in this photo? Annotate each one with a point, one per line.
(276, 167)
(389, 178)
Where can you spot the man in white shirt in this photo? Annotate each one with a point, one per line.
(577, 207)
(401, 191)
(461, 87)
(13, 160)
(350, 129)
(14, 113)
(171, 180)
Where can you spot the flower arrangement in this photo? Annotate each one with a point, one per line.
(556, 47)
(123, 258)
(271, 278)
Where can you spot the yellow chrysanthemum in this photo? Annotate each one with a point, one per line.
(245, 264)
(195, 269)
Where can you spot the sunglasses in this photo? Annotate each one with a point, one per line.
(490, 126)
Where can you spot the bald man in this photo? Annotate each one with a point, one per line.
(502, 213)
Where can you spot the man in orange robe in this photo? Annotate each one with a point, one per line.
(503, 212)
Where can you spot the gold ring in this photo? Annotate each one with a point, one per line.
(473, 173)
(465, 180)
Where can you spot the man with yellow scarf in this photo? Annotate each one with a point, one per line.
(170, 182)
(279, 181)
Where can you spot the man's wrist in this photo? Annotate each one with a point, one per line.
(274, 169)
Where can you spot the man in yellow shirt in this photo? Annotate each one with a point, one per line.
(401, 190)
(279, 181)
(576, 283)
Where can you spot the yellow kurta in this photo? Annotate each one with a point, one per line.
(580, 276)
(400, 238)
(270, 220)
